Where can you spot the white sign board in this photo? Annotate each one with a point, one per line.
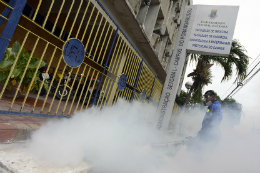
(213, 30)
(197, 22)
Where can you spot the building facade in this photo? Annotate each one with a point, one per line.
(152, 25)
(132, 38)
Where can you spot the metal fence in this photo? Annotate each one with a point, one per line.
(35, 80)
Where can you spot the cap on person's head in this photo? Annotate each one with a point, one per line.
(210, 92)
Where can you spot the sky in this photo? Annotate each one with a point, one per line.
(247, 28)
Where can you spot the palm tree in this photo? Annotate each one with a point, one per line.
(202, 75)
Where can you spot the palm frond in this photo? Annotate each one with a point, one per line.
(237, 57)
(202, 78)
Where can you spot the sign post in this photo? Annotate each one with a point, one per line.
(204, 30)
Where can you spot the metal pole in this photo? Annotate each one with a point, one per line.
(104, 70)
(6, 11)
(152, 89)
(10, 26)
(136, 80)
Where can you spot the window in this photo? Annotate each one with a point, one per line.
(57, 31)
(95, 58)
(64, 36)
(7, 1)
(49, 25)
(39, 19)
(28, 10)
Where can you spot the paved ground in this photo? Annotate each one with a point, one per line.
(14, 129)
(15, 158)
(18, 128)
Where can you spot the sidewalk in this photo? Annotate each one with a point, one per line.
(15, 128)
(14, 158)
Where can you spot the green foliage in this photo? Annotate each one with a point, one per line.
(237, 58)
(204, 77)
(231, 108)
(232, 104)
(181, 99)
(20, 66)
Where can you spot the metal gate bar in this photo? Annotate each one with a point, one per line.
(136, 80)
(10, 26)
(7, 10)
(151, 90)
(110, 51)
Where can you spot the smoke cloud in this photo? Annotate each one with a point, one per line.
(119, 140)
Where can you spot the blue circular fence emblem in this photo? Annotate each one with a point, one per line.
(73, 53)
(122, 82)
(143, 95)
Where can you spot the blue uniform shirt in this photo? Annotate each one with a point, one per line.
(210, 125)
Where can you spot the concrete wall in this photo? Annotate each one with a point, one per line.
(151, 28)
(161, 20)
(135, 5)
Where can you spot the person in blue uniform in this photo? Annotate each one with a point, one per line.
(209, 135)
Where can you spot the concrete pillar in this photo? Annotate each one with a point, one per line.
(162, 47)
(150, 20)
(135, 5)
(142, 14)
(182, 76)
(167, 18)
(154, 40)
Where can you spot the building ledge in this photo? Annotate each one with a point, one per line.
(125, 18)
